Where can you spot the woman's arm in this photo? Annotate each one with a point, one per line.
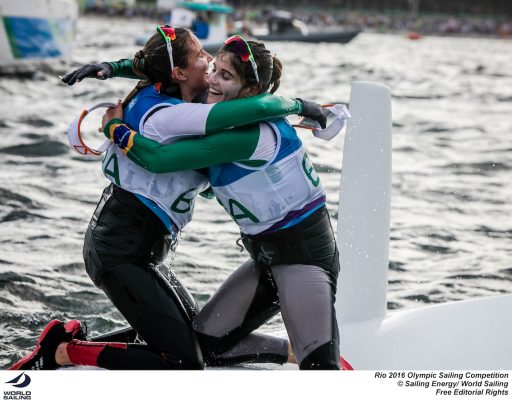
(186, 119)
(197, 119)
(249, 110)
(122, 69)
(234, 145)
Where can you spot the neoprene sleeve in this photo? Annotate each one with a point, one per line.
(249, 110)
(123, 69)
(231, 113)
(234, 145)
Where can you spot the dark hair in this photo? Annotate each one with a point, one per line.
(153, 66)
(269, 67)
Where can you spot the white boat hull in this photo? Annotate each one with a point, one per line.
(472, 334)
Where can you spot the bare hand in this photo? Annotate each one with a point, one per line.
(111, 113)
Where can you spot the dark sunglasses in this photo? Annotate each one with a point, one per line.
(169, 35)
(243, 50)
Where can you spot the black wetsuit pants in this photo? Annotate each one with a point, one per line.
(294, 271)
(123, 245)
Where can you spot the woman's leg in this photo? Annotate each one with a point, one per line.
(305, 264)
(111, 355)
(123, 243)
(56, 347)
(307, 300)
(242, 303)
(152, 308)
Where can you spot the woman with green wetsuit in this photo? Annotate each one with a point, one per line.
(140, 214)
(263, 177)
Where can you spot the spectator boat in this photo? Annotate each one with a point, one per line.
(282, 27)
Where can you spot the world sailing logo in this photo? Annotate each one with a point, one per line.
(15, 382)
(21, 381)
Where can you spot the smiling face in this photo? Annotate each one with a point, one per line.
(196, 72)
(225, 83)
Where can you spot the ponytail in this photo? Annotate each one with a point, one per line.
(277, 70)
(138, 69)
(153, 66)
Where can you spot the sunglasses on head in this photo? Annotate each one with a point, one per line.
(169, 35)
(243, 50)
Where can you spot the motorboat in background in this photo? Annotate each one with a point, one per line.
(281, 26)
(36, 30)
(208, 21)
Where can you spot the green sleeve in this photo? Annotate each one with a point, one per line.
(234, 145)
(249, 110)
(123, 69)
(208, 193)
(231, 113)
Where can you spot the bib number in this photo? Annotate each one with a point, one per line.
(309, 170)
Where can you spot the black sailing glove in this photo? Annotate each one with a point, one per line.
(98, 71)
(313, 110)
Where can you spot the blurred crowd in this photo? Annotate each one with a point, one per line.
(425, 24)
(368, 20)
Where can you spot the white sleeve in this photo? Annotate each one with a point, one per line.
(177, 121)
(267, 144)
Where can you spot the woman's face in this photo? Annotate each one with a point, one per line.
(225, 84)
(197, 69)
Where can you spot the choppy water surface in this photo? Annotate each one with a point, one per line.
(451, 230)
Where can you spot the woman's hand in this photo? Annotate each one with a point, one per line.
(111, 113)
(98, 71)
(313, 110)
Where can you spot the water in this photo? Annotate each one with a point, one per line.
(451, 235)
